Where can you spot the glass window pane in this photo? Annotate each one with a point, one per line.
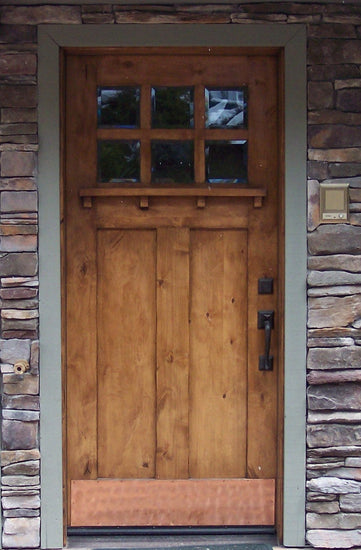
(172, 107)
(226, 161)
(226, 108)
(118, 161)
(172, 162)
(118, 107)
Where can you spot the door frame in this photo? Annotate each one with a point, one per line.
(292, 38)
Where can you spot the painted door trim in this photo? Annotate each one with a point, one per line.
(293, 39)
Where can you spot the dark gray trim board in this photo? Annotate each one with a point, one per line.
(293, 39)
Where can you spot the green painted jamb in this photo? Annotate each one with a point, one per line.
(50, 294)
(295, 291)
(292, 38)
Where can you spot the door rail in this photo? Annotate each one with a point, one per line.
(200, 193)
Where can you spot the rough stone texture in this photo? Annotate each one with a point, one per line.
(336, 377)
(325, 435)
(323, 507)
(350, 503)
(9, 503)
(334, 485)
(12, 350)
(332, 538)
(18, 96)
(333, 521)
(340, 262)
(332, 396)
(21, 533)
(34, 15)
(17, 434)
(335, 239)
(18, 263)
(320, 95)
(333, 358)
(15, 163)
(14, 457)
(333, 311)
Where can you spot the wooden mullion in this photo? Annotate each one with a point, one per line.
(199, 122)
(146, 123)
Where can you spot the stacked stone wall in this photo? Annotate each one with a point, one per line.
(334, 279)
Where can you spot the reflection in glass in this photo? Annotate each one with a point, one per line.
(226, 161)
(226, 108)
(172, 107)
(172, 162)
(118, 161)
(118, 107)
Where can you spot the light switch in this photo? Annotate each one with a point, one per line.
(334, 201)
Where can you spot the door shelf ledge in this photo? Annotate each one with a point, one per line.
(200, 193)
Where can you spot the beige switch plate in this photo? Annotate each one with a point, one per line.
(334, 201)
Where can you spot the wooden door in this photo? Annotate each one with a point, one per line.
(169, 420)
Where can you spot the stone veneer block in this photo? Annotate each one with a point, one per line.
(333, 52)
(18, 96)
(333, 417)
(323, 507)
(320, 95)
(334, 397)
(13, 350)
(27, 501)
(21, 533)
(340, 262)
(335, 135)
(18, 263)
(18, 115)
(332, 278)
(353, 462)
(350, 503)
(22, 64)
(14, 457)
(17, 163)
(19, 435)
(17, 384)
(35, 15)
(26, 468)
(349, 100)
(350, 154)
(30, 402)
(326, 435)
(333, 521)
(334, 485)
(18, 243)
(13, 34)
(335, 239)
(334, 358)
(332, 538)
(333, 311)
(19, 201)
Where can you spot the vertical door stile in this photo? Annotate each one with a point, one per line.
(263, 262)
(81, 353)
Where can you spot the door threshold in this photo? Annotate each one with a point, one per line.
(148, 542)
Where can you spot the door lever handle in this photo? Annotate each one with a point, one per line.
(266, 321)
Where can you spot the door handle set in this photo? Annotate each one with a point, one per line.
(266, 321)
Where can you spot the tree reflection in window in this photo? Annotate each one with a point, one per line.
(172, 107)
(226, 108)
(118, 161)
(118, 107)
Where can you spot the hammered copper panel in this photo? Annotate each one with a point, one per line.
(172, 502)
